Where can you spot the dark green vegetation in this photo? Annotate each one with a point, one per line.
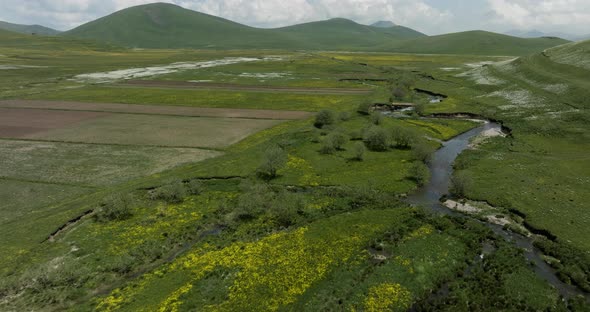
(169, 26)
(303, 215)
(540, 173)
(28, 29)
(473, 42)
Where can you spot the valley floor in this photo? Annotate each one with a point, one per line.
(272, 186)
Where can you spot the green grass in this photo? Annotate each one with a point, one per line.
(544, 167)
(230, 246)
(28, 29)
(543, 178)
(171, 131)
(21, 198)
(89, 164)
(296, 258)
(474, 43)
(200, 98)
(298, 70)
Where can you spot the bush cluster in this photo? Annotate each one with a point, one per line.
(273, 160)
(115, 208)
(376, 139)
(333, 142)
(324, 118)
(174, 192)
(260, 200)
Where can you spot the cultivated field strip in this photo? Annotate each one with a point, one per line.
(156, 109)
(15, 122)
(241, 87)
(89, 165)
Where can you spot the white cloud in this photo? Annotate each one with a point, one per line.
(66, 14)
(429, 16)
(551, 15)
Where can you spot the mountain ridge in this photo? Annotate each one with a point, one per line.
(383, 24)
(29, 29)
(170, 26)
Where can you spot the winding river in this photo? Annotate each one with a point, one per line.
(441, 169)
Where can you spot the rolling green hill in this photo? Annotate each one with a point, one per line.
(168, 26)
(13, 40)
(342, 34)
(474, 42)
(28, 29)
(575, 54)
(162, 25)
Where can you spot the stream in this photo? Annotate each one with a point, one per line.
(441, 169)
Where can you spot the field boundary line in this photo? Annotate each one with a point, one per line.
(114, 144)
(48, 182)
(157, 109)
(167, 84)
(144, 114)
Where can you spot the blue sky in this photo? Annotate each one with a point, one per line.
(429, 16)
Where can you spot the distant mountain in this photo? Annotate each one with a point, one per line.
(169, 26)
(538, 34)
(162, 25)
(384, 24)
(342, 34)
(11, 39)
(28, 29)
(475, 42)
(527, 33)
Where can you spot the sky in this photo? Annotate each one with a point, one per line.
(429, 16)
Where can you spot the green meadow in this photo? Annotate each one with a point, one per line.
(136, 210)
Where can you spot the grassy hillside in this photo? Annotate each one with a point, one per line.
(14, 40)
(28, 29)
(342, 34)
(575, 54)
(169, 26)
(474, 42)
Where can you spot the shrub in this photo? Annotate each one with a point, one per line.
(333, 141)
(174, 192)
(338, 139)
(358, 151)
(115, 207)
(344, 116)
(365, 108)
(376, 118)
(56, 282)
(286, 208)
(419, 172)
(195, 187)
(403, 137)
(420, 108)
(324, 118)
(460, 183)
(376, 139)
(399, 93)
(253, 201)
(327, 147)
(355, 135)
(316, 136)
(422, 151)
(273, 160)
